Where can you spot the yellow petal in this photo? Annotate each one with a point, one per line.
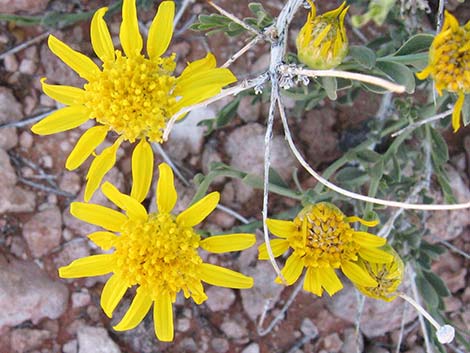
(220, 77)
(196, 97)
(95, 265)
(161, 30)
(319, 38)
(100, 37)
(225, 243)
(98, 215)
(112, 293)
(312, 282)
(62, 120)
(99, 167)
(329, 280)
(450, 21)
(136, 312)
(278, 247)
(422, 75)
(130, 37)
(456, 113)
(203, 64)
(67, 95)
(368, 240)
(105, 240)
(81, 64)
(196, 213)
(292, 270)
(357, 275)
(85, 146)
(132, 207)
(197, 292)
(166, 192)
(142, 170)
(375, 255)
(163, 318)
(352, 219)
(223, 277)
(280, 228)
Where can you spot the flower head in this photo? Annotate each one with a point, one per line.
(449, 63)
(387, 275)
(157, 252)
(322, 42)
(322, 240)
(131, 94)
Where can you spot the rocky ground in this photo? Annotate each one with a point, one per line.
(41, 313)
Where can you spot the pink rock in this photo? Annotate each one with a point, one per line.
(26, 6)
(43, 231)
(27, 293)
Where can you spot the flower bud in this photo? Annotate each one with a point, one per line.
(322, 42)
(449, 63)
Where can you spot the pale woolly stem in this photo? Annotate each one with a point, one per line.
(263, 332)
(377, 81)
(235, 19)
(24, 45)
(242, 51)
(423, 122)
(356, 196)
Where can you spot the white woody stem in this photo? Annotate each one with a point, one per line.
(390, 86)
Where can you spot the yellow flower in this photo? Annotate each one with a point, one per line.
(449, 63)
(388, 276)
(157, 252)
(322, 240)
(322, 42)
(131, 94)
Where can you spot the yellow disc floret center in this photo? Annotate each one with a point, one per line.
(133, 96)
(324, 239)
(158, 254)
(451, 60)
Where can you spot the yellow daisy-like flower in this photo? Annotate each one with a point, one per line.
(131, 94)
(322, 42)
(322, 240)
(388, 276)
(449, 63)
(156, 252)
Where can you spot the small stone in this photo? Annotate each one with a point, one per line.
(308, 328)
(47, 162)
(16, 200)
(95, 340)
(8, 138)
(72, 250)
(25, 339)
(187, 137)
(7, 173)
(188, 345)
(47, 101)
(377, 349)
(10, 108)
(27, 293)
(70, 182)
(332, 343)
(233, 329)
(80, 299)
(29, 104)
(220, 345)
(43, 231)
(27, 67)
(26, 140)
(183, 324)
(352, 342)
(247, 110)
(10, 63)
(70, 347)
(251, 348)
(219, 298)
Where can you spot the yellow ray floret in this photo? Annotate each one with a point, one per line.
(131, 94)
(449, 63)
(157, 252)
(322, 241)
(322, 42)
